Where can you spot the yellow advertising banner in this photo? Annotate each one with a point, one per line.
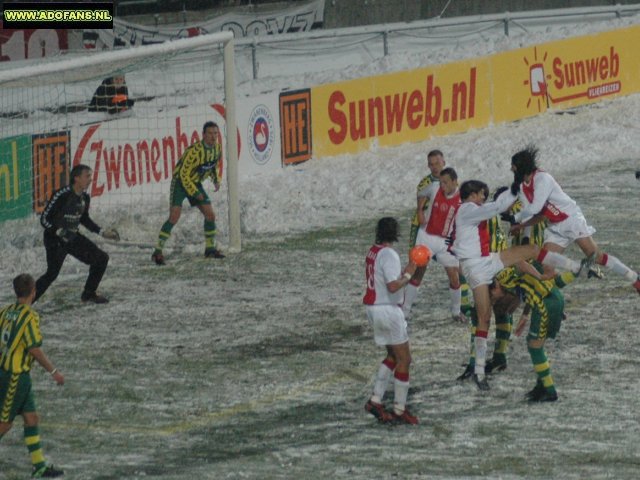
(401, 107)
(412, 106)
(564, 74)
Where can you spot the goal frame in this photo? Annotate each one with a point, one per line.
(227, 40)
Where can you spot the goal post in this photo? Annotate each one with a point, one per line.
(232, 147)
(47, 127)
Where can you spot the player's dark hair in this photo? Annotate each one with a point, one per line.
(77, 171)
(450, 172)
(23, 285)
(387, 230)
(472, 186)
(434, 153)
(499, 190)
(524, 162)
(209, 125)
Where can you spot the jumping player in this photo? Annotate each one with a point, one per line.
(541, 195)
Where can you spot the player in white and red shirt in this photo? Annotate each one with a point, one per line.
(443, 204)
(471, 244)
(384, 295)
(542, 196)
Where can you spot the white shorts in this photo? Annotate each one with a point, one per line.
(566, 232)
(439, 249)
(389, 325)
(480, 271)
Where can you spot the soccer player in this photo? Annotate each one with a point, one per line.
(541, 195)
(479, 265)
(20, 344)
(66, 210)
(385, 283)
(443, 203)
(503, 321)
(198, 162)
(436, 163)
(531, 234)
(547, 306)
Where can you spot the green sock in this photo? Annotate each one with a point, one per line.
(32, 440)
(210, 234)
(542, 368)
(503, 334)
(465, 297)
(165, 233)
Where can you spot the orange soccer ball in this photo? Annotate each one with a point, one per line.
(420, 255)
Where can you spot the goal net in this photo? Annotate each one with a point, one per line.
(51, 122)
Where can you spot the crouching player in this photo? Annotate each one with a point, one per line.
(547, 311)
(383, 297)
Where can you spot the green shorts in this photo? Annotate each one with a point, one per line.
(16, 395)
(178, 194)
(540, 329)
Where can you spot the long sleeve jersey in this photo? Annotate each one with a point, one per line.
(198, 163)
(66, 209)
(542, 194)
(471, 238)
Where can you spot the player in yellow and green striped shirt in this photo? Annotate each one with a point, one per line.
(20, 344)
(531, 234)
(199, 162)
(547, 306)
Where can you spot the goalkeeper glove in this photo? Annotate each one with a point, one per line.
(110, 234)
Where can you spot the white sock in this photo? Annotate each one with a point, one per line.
(456, 296)
(481, 354)
(400, 395)
(382, 379)
(410, 294)
(618, 267)
(554, 259)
